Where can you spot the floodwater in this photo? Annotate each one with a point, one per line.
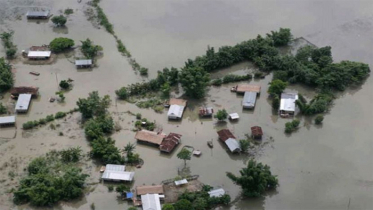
(318, 167)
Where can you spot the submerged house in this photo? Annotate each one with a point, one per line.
(23, 103)
(39, 55)
(287, 104)
(242, 88)
(151, 201)
(15, 91)
(170, 142)
(234, 116)
(216, 193)
(117, 173)
(229, 139)
(206, 111)
(176, 109)
(150, 137)
(256, 132)
(37, 14)
(83, 63)
(249, 100)
(8, 120)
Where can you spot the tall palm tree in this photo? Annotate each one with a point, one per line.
(129, 148)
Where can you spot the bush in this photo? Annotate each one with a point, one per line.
(122, 93)
(221, 114)
(60, 44)
(6, 76)
(244, 145)
(217, 82)
(89, 49)
(168, 206)
(28, 125)
(291, 126)
(69, 11)
(106, 151)
(49, 118)
(138, 116)
(183, 204)
(60, 115)
(319, 119)
(10, 53)
(110, 188)
(3, 109)
(59, 20)
(143, 71)
(258, 75)
(276, 102)
(64, 84)
(42, 121)
(277, 87)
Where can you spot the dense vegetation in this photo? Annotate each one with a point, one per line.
(68, 11)
(89, 49)
(60, 44)
(59, 20)
(52, 178)
(49, 118)
(194, 81)
(222, 114)
(3, 109)
(255, 179)
(6, 77)
(10, 48)
(200, 200)
(291, 126)
(231, 78)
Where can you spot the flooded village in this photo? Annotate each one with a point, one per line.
(318, 166)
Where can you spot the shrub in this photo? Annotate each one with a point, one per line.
(49, 118)
(122, 93)
(59, 20)
(168, 206)
(319, 119)
(69, 11)
(60, 44)
(28, 125)
(110, 188)
(60, 115)
(276, 87)
(217, 82)
(3, 109)
(42, 121)
(143, 71)
(221, 114)
(291, 126)
(244, 145)
(64, 84)
(258, 75)
(11, 52)
(89, 49)
(6, 78)
(276, 102)
(138, 116)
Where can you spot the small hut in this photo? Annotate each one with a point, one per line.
(256, 132)
(37, 14)
(83, 63)
(206, 111)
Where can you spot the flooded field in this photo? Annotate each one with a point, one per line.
(318, 167)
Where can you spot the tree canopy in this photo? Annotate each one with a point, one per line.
(277, 87)
(221, 114)
(94, 105)
(255, 179)
(60, 44)
(89, 49)
(59, 20)
(185, 155)
(194, 81)
(6, 77)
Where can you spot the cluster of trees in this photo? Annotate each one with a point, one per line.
(52, 178)
(99, 124)
(194, 80)
(59, 20)
(47, 119)
(255, 179)
(166, 76)
(200, 200)
(61, 44)
(291, 126)
(11, 49)
(153, 103)
(231, 78)
(6, 77)
(319, 104)
(144, 123)
(68, 11)
(89, 49)
(131, 156)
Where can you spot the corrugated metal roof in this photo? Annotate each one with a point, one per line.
(23, 102)
(175, 111)
(234, 116)
(37, 13)
(118, 175)
(83, 62)
(152, 189)
(114, 167)
(150, 202)
(233, 145)
(7, 120)
(180, 182)
(287, 102)
(150, 136)
(217, 193)
(225, 134)
(170, 142)
(249, 100)
(37, 54)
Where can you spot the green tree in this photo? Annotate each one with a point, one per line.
(183, 204)
(221, 114)
(200, 204)
(281, 37)
(276, 102)
(194, 81)
(94, 105)
(132, 208)
(59, 20)
(122, 188)
(72, 154)
(185, 155)
(106, 151)
(255, 179)
(6, 77)
(60, 44)
(319, 119)
(3, 109)
(277, 87)
(168, 206)
(244, 144)
(129, 148)
(122, 93)
(11, 52)
(89, 49)
(61, 95)
(64, 84)
(166, 89)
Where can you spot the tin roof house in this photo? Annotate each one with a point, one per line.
(23, 103)
(83, 63)
(117, 173)
(229, 139)
(39, 55)
(249, 100)
(242, 88)
(170, 142)
(8, 120)
(151, 201)
(287, 104)
(176, 109)
(37, 14)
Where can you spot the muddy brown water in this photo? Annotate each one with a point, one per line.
(318, 167)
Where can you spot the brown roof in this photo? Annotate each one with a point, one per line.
(248, 88)
(225, 134)
(205, 111)
(150, 136)
(24, 90)
(176, 101)
(170, 142)
(256, 131)
(155, 189)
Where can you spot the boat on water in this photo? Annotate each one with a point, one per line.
(34, 73)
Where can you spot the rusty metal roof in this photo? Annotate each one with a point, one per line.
(256, 131)
(176, 101)
(170, 142)
(150, 136)
(225, 134)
